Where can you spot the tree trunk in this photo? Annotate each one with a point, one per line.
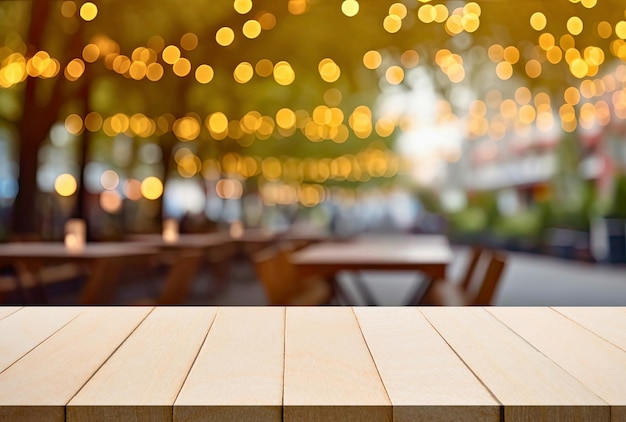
(31, 132)
(25, 216)
(36, 120)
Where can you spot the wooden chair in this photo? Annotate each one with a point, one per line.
(281, 283)
(449, 293)
(420, 295)
(178, 280)
(470, 272)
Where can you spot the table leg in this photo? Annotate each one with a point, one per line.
(365, 292)
(338, 292)
(102, 282)
(420, 290)
(220, 262)
(30, 287)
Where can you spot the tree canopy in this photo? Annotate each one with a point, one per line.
(290, 91)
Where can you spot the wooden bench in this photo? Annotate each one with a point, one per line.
(312, 363)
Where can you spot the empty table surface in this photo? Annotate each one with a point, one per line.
(425, 253)
(57, 251)
(190, 240)
(105, 260)
(307, 363)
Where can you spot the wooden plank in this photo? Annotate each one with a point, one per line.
(424, 378)
(144, 376)
(329, 372)
(526, 382)
(28, 328)
(238, 374)
(607, 322)
(598, 364)
(51, 374)
(5, 311)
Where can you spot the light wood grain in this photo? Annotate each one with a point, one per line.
(29, 327)
(598, 364)
(32, 413)
(323, 363)
(424, 378)
(329, 372)
(529, 384)
(5, 311)
(144, 376)
(556, 413)
(238, 374)
(52, 373)
(607, 322)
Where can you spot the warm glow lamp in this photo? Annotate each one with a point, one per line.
(170, 231)
(75, 235)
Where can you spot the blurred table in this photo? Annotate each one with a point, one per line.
(218, 248)
(251, 240)
(305, 236)
(104, 261)
(312, 363)
(189, 241)
(427, 254)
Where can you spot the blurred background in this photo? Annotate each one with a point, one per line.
(494, 122)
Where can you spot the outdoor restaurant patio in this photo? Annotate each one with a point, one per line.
(179, 155)
(306, 210)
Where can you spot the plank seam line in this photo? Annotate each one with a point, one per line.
(491, 393)
(588, 389)
(19, 308)
(43, 340)
(282, 399)
(108, 358)
(195, 358)
(372, 357)
(588, 329)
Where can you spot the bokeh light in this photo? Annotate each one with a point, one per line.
(204, 73)
(538, 21)
(88, 11)
(242, 6)
(151, 188)
(65, 185)
(225, 36)
(350, 8)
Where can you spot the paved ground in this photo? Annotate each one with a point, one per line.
(543, 281)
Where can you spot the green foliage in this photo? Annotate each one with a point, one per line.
(429, 200)
(573, 215)
(471, 220)
(618, 205)
(524, 225)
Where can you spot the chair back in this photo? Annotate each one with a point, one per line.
(470, 272)
(268, 264)
(180, 278)
(281, 282)
(490, 280)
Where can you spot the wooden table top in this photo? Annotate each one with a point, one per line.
(57, 250)
(255, 235)
(185, 240)
(381, 250)
(306, 363)
(106, 260)
(430, 254)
